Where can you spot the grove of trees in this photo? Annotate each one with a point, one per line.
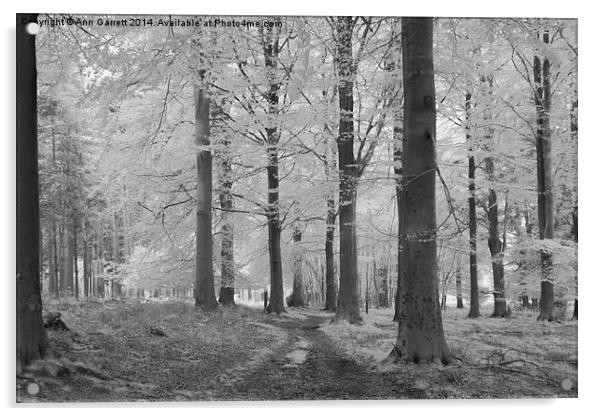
(347, 162)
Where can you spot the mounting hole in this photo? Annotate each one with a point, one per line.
(32, 28)
(566, 384)
(33, 389)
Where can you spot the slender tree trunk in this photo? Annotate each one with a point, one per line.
(205, 286)
(420, 335)
(271, 46)
(75, 268)
(331, 283)
(545, 203)
(226, 293)
(68, 260)
(298, 284)
(459, 297)
(494, 242)
(472, 218)
(31, 335)
(349, 304)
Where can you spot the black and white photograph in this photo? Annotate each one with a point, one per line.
(218, 208)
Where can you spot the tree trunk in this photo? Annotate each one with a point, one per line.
(493, 240)
(226, 293)
(205, 286)
(270, 41)
(472, 218)
(349, 304)
(68, 260)
(298, 284)
(75, 268)
(459, 299)
(31, 335)
(545, 203)
(331, 283)
(420, 335)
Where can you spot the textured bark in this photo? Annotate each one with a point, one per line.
(270, 38)
(331, 283)
(472, 218)
(420, 335)
(31, 336)
(205, 286)
(493, 240)
(545, 203)
(226, 294)
(298, 283)
(459, 296)
(575, 215)
(349, 303)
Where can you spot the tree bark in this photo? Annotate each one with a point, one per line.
(472, 217)
(420, 335)
(31, 335)
(226, 293)
(298, 284)
(331, 283)
(459, 297)
(270, 43)
(205, 286)
(349, 303)
(545, 204)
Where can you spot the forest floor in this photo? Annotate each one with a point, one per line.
(170, 351)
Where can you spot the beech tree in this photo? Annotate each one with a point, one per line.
(31, 335)
(545, 202)
(420, 335)
(205, 286)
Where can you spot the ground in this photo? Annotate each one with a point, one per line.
(168, 350)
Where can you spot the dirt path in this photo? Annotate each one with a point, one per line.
(308, 366)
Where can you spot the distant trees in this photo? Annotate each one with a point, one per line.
(32, 342)
(316, 106)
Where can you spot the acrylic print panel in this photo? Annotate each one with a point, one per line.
(295, 208)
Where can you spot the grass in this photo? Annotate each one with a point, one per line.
(115, 351)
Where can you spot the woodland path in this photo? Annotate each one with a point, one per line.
(309, 367)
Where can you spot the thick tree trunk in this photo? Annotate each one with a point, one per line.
(420, 335)
(349, 303)
(270, 44)
(276, 304)
(205, 286)
(472, 218)
(31, 335)
(545, 203)
(226, 293)
(298, 283)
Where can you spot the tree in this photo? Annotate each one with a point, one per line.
(271, 48)
(226, 293)
(420, 335)
(494, 242)
(32, 341)
(472, 218)
(545, 203)
(205, 289)
(298, 284)
(349, 306)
